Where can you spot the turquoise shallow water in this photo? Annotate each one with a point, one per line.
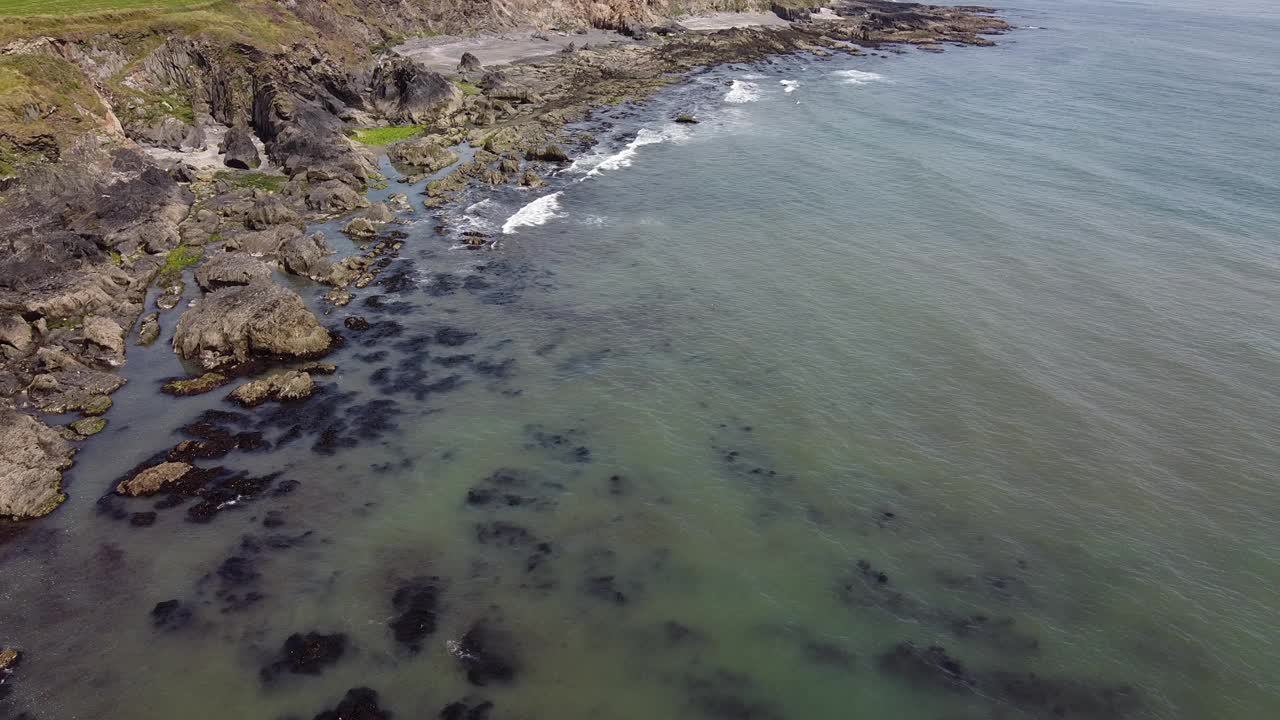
(975, 350)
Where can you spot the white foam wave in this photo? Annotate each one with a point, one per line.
(789, 86)
(742, 92)
(538, 212)
(858, 77)
(598, 163)
(752, 76)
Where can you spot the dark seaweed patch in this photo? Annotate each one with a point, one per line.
(486, 654)
(928, 667)
(416, 604)
(604, 587)
(356, 323)
(170, 615)
(725, 695)
(142, 519)
(462, 711)
(453, 337)
(306, 654)
(358, 704)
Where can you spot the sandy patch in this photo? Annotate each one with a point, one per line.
(442, 54)
(727, 20)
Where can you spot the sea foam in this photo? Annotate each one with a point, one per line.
(742, 92)
(538, 212)
(858, 77)
(598, 163)
(789, 86)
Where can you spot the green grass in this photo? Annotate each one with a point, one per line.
(255, 180)
(83, 7)
(466, 87)
(387, 135)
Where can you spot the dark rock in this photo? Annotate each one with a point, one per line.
(453, 337)
(239, 149)
(469, 63)
(355, 323)
(404, 91)
(142, 519)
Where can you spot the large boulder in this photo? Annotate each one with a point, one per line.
(404, 91)
(15, 332)
(469, 63)
(307, 256)
(31, 465)
(231, 268)
(231, 325)
(105, 333)
(239, 149)
(422, 155)
(287, 386)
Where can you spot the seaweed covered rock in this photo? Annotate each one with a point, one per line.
(231, 325)
(291, 385)
(153, 479)
(31, 465)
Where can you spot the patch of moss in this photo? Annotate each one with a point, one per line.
(255, 180)
(378, 137)
(466, 87)
(196, 386)
(178, 259)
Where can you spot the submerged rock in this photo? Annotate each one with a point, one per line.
(153, 479)
(930, 666)
(234, 324)
(31, 465)
(196, 386)
(84, 427)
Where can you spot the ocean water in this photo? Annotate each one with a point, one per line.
(975, 350)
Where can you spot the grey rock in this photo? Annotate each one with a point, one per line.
(15, 332)
(307, 256)
(231, 268)
(31, 465)
(239, 150)
(233, 324)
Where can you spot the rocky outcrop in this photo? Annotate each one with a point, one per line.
(239, 151)
(153, 479)
(231, 268)
(403, 91)
(307, 256)
(232, 325)
(421, 156)
(287, 386)
(105, 333)
(31, 465)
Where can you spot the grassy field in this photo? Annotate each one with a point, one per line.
(81, 7)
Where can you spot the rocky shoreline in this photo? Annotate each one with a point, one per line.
(104, 230)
